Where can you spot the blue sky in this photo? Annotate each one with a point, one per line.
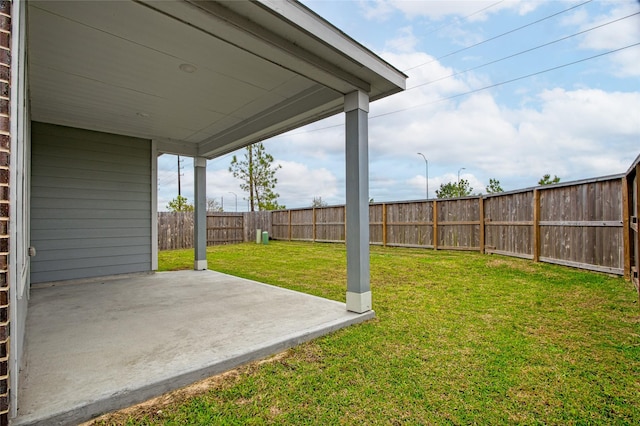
(577, 121)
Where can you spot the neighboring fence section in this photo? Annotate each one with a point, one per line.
(631, 206)
(576, 224)
(582, 225)
(590, 224)
(175, 230)
(225, 228)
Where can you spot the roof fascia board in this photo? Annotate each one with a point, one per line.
(303, 17)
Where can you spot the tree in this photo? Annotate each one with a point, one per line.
(214, 206)
(494, 186)
(318, 202)
(258, 176)
(546, 180)
(180, 204)
(454, 190)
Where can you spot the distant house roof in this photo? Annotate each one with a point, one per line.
(201, 77)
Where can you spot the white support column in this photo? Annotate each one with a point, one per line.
(200, 213)
(356, 107)
(154, 205)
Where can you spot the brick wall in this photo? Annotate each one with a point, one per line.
(5, 144)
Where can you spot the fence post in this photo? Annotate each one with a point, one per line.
(384, 224)
(435, 225)
(344, 217)
(245, 236)
(313, 229)
(636, 254)
(289, 225)
(481, 211)
(626, 231)
(536, 225)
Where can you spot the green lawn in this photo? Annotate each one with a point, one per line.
(459, 338)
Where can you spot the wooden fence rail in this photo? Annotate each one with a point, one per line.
(589, 224)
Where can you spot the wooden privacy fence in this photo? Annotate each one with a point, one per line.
(175, 230)
(577, 224)
(589, 224)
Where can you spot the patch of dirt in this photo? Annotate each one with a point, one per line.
(509, 263)
(155, 407)
(497, 262)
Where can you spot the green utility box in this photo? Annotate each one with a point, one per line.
(265, 237)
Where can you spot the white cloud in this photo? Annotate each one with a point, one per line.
(379, 10)
(591, 113)
(620, 34)
(578, 17)
(219, 182)
(563, 132)
(222, 186)
(406, 41)
(168, 179)
(321, 141)
(429, 81)
(571, 126)
(298, 184)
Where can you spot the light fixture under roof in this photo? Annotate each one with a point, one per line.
(188, 68)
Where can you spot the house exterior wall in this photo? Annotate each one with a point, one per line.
(90, 204)
(5, 151)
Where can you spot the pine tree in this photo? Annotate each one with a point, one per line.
(258, 176)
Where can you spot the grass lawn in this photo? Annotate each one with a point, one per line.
(459, 338)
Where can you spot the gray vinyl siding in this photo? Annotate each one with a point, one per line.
(90, 204)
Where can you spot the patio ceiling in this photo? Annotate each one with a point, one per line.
(202, 78)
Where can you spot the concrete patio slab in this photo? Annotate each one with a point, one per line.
(98, 346)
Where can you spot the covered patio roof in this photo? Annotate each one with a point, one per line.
(201, 78)
(102, 345)
(198, 78)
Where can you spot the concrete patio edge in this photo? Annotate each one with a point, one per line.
(130, 397)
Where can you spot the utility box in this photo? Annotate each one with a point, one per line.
(265, 237)
(258, 236)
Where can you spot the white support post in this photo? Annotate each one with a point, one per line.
(200, 214)
(356, 106)
(154, 205)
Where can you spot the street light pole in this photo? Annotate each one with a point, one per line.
(426, 163)
(234, 194)
(462, 168)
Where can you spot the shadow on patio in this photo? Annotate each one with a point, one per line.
(98, 346)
